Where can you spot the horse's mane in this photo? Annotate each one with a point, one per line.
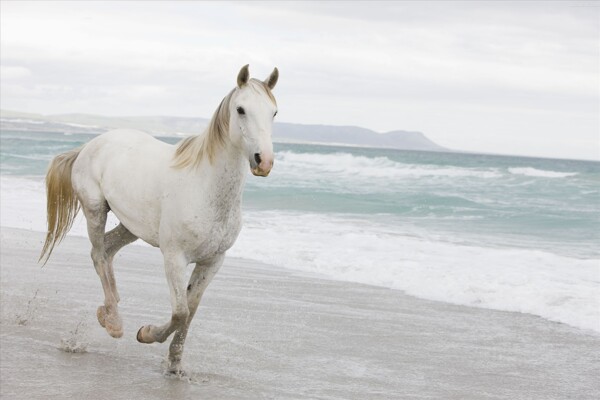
(191, 150)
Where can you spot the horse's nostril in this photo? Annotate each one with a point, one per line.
(257, 158)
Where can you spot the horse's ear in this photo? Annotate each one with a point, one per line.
(243, 76)
(271, 81)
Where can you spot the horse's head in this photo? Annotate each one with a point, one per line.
(252, 110)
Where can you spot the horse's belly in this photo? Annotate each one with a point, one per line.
(142, 227)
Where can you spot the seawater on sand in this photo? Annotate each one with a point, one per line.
(264, 332)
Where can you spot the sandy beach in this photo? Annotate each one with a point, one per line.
(266, 332)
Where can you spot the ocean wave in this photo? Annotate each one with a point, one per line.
(80, 125)
(346, 164)
(358, 250)
(23, 121)
(529, 171)
(33, 157)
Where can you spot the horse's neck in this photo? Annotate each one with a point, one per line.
(229, 171)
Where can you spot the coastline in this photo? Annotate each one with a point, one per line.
(266, 332)
(535, 284)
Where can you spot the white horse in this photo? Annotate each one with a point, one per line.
(183, 198)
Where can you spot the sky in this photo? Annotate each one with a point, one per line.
(498, 77)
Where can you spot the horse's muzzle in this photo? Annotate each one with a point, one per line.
(260, 165)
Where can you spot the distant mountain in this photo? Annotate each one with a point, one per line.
(353, 136)
(87, 123)
(169, 126)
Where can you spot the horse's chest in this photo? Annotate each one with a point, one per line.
(215, 236)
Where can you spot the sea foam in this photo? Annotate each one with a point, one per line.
(347, 164)
(528, 171)
(555, 287)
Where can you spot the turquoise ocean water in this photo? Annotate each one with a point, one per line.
(498, 200)
(397, 218)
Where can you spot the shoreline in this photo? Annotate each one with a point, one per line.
(527, 291)
(270, 333)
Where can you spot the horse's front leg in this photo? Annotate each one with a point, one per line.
(201, 276)
(175, 270)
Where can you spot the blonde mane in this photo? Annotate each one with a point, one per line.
(191, 150)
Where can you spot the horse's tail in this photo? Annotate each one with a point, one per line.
(62, 203)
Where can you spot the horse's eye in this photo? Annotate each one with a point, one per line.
(275, 114)
(241, 111)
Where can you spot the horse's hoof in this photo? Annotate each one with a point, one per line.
(176, 372)
(115, 332)
(111, 322)
(101, 314)
(140, 336)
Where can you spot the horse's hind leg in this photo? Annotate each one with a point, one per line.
(114, 241)
(108, 315)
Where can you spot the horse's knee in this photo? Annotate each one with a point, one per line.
(99, 257)
(180, 317)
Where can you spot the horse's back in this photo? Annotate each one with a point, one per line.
(119, 152)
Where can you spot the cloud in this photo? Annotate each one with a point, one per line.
(390, 65)
(13, 73)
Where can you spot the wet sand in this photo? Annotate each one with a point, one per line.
(266, 332)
